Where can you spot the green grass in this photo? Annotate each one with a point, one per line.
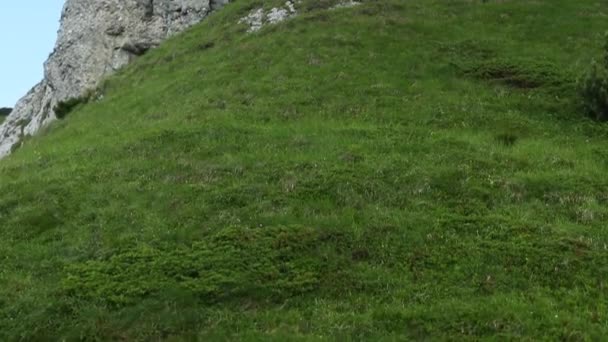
(401, 170)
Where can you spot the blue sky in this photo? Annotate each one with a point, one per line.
(28, 30)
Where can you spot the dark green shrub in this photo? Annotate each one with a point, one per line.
(63, 108)
(5, 111)
(273, 263)
(507, 139)
(520, 74)
(593, 87)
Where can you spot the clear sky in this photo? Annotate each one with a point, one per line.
(28, 29)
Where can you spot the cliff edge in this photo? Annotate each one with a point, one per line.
(95, 39)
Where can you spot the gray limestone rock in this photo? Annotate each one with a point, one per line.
(257, 18)
(97, 37)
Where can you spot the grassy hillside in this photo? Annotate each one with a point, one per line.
(398, 170)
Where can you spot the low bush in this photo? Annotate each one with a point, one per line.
(520, 74)
(5, 111)
(264, 264)
(63, 108)
(593, 87)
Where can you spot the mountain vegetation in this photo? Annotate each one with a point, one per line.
(397, 170)
(4, 112)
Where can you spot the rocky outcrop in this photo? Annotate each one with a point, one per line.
(258, 18)
(96, 38)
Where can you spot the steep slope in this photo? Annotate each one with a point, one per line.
(395, 170)
(95, 39)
